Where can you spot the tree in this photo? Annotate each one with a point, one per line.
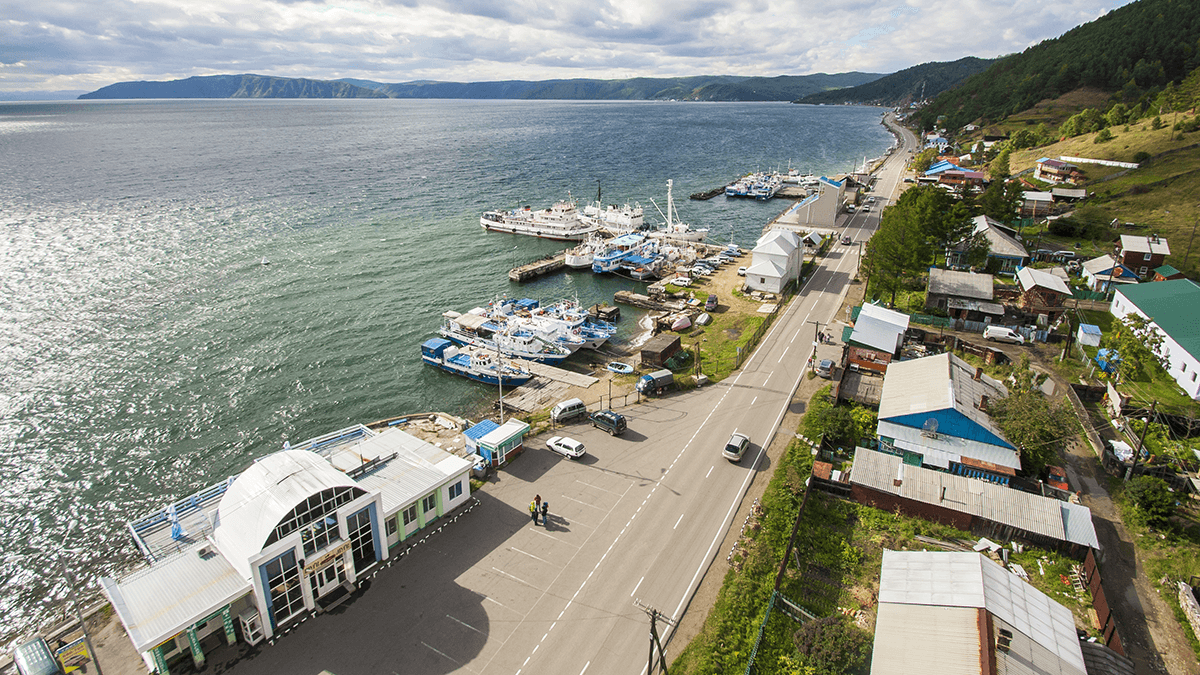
(1000, 201)
(1103, 137)
(923, 160)
(900, 249)
(999, 170)
(1138, 345)
(1038, 428)
(1116, 115)
(1152, 499)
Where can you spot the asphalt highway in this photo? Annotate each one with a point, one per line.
(638, 520)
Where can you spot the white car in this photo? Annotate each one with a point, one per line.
(741, 271)
(567, 447)
(1002, 334)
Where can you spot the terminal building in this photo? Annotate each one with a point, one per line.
(290, 536)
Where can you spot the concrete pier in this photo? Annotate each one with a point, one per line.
(537, 268)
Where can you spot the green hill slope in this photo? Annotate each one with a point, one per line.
(911, 84)
(1135, 49)
(234, 86)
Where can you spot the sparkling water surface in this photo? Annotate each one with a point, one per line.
(146, 351)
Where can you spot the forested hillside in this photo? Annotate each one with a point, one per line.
(1133, 51)
(911, 84)
(233, 86)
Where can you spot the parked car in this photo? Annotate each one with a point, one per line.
(741, 271)
(567, 410)
(825, 368)
(870, 200)
(736, 447)
(711, 303)
(567, 447)
(846, 239)
(1002, 334)
(612, 422)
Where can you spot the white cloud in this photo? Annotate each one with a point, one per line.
(73, 44)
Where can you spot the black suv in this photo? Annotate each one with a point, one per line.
(613, 423)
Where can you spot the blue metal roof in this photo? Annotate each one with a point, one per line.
(638, 260)
(1089, 329)
(527, 303)
(480, 430)
(435, 343)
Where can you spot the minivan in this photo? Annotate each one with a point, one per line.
(567, 410)
(1002, 334)
(612, 422)
(711, 302)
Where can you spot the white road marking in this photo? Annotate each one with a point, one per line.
(677, 522)
(529, 554)
(443, 654)
(585, 503)
(585, 667)
(639, 585)
(544, 534)
(709, 471)
(464, 623)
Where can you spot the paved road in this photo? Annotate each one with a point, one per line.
(639, 518)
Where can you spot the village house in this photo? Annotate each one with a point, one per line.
(934, 412)
(962, 295)
(1173, 309)
(1004, 250)
(1036, 204)
(1042, 292)
(876, 338)
(1056, 171)
(1103, 273)
(1167, 273)
(1143, 253)
(776, 261)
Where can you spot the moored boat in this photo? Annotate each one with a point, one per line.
(473, 363)
(560, 222)
(620, 368)
(477, 329)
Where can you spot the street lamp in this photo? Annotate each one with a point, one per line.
(62, 562)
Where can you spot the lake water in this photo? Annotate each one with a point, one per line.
(145, 351)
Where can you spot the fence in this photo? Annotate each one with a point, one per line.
(1104, 617)
(1084, 294)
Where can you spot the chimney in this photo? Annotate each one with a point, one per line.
(983, 403)
(978, 374)
(899, 479)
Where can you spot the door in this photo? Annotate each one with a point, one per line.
(328, 578)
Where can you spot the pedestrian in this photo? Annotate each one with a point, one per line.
(545, 513)
(537, 506)
(533, 510)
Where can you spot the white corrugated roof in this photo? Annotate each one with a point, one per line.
(765, 268)
(786, 238)
(1029, 277)
(418, 468)
(938, 382)
(157, 602)
(961, 284)
(953, 579)
(1140, 243)
(879, 328)
(941, 449)
(926, 639)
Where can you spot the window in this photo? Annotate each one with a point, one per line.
(283, 582)
(362, 540)
(410, 514)
(391, 526)
(314, 510)
(1193, 377)
(456, 490)
(429, 504)
(1146, 256)
(1142, 271)
(320, 534)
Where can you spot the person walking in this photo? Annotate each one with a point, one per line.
(545, 513)
(537, 506)
(533, 511)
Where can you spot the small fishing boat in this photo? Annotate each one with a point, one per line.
(620, 368)
(703, 320)
(681, 323)
(474, 363)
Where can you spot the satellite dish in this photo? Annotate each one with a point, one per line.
(930, 427)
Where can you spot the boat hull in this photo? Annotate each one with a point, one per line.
(509, 380)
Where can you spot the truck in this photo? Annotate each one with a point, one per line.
(655, 382)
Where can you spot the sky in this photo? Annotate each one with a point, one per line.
(56, 45)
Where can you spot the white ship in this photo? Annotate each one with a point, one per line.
(561, 222)
(582, 255)
(674, 230)
(616, 220)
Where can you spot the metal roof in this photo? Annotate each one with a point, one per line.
(504, 432)
(765, 268)
(786, 238)
(941, 449)
(480, 430)
(1045, 516)
(879, 328)
(971, 580)
(926, 639)
(1030, 196)
(263, 494)
(1000, 242)
(1140, 243)
(994, 308)
(916, 389)
(1029, 277)
(157, 602)
(960, 284)
(416, 469)
(1174, 305)
(1166, 270)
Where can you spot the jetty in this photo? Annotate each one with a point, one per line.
(646, 302)
(558, 374)
(707, 194)
(538, 268)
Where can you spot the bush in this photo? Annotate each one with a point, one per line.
(1103, 137)
(833, 645)
(1152, 498)
(1141, 156)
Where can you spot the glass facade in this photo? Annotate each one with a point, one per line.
(362, 539)
(282, 576)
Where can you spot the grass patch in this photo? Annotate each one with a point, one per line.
(1171, 553)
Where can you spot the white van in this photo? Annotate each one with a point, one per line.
(568, 409)
(1002, 334)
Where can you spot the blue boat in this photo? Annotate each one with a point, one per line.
(472, 363)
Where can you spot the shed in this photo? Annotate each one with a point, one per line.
(501, 444)
(1089, 335)
(659, 348)
(1108, 359)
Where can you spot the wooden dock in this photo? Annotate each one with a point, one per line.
(538, 268)
(549, 372)
(646, 302)
(535, 395)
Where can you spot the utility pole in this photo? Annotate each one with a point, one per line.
(812, 360)
(62, 563)
(1137, 452)
(1190, 239)
(655, 617)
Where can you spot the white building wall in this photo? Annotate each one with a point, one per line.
(1182, 366)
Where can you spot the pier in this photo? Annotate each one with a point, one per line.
(537, 268)
(646, 302)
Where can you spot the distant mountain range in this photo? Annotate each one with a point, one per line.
(698, 88)
(923, 82)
